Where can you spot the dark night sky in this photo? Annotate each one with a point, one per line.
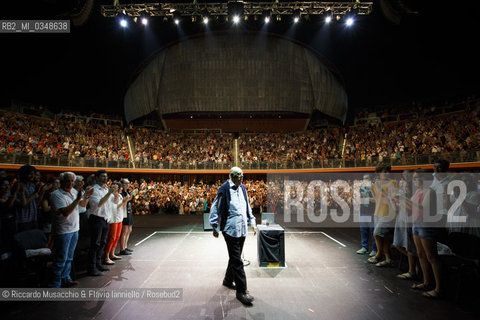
(428, 55)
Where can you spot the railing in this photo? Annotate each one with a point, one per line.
(408, 160)
(64, 161)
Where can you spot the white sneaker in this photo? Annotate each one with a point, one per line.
(362, 251)
(373, 253)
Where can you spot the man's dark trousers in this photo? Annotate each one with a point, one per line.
(98, 238)
(235, 271)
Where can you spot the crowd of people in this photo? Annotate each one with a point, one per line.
(308, 146)
(76, 138)
(434, 136)
(396, 205)
(176, 198)
(57, 206)
(159, 146)
(412, 213)
(55, 209)
(403, 210)
(37, 137)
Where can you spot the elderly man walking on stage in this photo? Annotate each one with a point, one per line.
(231, 206)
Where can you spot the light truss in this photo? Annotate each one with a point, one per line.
(192, 9)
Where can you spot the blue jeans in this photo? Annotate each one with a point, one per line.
(366, 233)
(63, 249)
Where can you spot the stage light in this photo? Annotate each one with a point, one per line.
(144, 21)
(123, 23)
(235, 10)
(205, 16)
(296, 16)
(176, 17)
(266, 16)
(349, 22)
(328, 19)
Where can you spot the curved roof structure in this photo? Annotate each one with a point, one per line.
(233, 72)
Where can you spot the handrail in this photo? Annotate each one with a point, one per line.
(470, 156)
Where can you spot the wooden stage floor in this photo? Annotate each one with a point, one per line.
(324, 279)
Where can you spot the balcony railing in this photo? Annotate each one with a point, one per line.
(408, 160)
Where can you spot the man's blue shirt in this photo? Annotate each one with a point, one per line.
(239, 212)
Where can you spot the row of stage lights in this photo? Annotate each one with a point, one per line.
(236, 19)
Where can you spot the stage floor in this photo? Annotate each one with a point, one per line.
(324, 279)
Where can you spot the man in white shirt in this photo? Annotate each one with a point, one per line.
(67, 204)
(101, 203)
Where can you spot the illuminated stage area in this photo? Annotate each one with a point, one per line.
(324, 279)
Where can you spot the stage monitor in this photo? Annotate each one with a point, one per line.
(268, 218)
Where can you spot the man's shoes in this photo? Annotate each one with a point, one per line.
(95, 273)
(362, 251)
(101, 268)
(229, 285)
(373, 253)
(108, 263)
(245, 298)
(125, 253)
(70, 284)
(129, 250)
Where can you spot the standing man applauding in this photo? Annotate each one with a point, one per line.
(101, 206)
(67, 203)
(231, 206)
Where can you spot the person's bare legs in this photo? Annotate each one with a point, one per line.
(379, 243)
(430, 247)
(411, 260)
(386, 249)
(424, 264)
(129, 231)
(411, 265)
(123, 237)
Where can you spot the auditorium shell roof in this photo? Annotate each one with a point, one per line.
(232, 72)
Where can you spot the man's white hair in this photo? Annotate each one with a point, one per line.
(236, 172)
(64, 175)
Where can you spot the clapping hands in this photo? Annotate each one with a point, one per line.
(89, 191)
